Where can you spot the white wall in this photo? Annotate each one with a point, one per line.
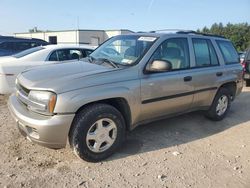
(88, 37)
(62, 36)
(75, 37)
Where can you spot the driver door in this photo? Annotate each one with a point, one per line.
(169, 92)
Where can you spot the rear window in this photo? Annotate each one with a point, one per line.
(27, 52)
(228, 51)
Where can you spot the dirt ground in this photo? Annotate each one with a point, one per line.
(185, 151)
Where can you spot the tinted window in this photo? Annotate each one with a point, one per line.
(27, 52)
(228, 51)
(175, 51)
(20, 46)
(6, 46)
(204, 53)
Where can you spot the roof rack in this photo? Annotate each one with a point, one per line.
(181, 31)
(169, 31)
(198, 33)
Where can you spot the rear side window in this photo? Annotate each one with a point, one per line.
(205, 54)
(228, 51)
(53, 56)
(66, 54)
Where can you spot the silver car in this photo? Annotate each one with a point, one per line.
(129, 80)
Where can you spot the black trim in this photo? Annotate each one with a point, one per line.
(177, 95)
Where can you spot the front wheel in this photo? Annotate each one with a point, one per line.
(220, 105)
(97, 132)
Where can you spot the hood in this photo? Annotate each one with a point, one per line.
(62, 77)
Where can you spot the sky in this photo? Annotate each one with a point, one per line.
(136, 15)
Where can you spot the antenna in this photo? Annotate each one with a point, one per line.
(77, 30)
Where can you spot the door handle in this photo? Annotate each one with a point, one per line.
(219, 73)
(187, 78)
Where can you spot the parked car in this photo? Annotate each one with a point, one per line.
(149, 77)
(12, 45)
(242, 56)
(246, 67)
(11, 66)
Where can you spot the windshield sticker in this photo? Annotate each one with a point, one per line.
(127, 61)
(147, 39)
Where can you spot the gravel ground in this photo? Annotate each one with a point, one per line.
(185, 151)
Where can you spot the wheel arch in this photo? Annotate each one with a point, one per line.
(121, 104)
(231, 86)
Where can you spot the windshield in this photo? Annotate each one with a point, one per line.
(27, 52)
(124, 49)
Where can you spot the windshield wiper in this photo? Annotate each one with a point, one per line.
(112, 63)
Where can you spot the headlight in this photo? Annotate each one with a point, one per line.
(42, 102)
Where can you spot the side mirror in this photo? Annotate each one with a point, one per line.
(159, 66)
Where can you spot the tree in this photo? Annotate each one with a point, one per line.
(239, 34)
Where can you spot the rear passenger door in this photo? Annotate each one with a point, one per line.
(206, 71)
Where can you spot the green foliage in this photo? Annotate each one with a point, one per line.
(239, 34)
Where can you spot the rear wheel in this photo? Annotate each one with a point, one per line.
(220, 105)
(97, 132)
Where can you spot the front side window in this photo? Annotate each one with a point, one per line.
(205, 54)
(124, 49)
(175, 51)
(228, 51)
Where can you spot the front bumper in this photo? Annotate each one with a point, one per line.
(48, 131)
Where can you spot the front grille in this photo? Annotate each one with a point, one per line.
(22, 93)
(22, 88)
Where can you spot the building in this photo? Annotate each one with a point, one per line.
(91, 37)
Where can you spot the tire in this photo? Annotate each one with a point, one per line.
(85, 126)
(213, 112)
(247, 83)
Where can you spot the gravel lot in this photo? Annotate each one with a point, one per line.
(185, 151)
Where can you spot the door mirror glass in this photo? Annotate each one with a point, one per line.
(159, 66)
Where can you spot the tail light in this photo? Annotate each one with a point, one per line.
(244, 65)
